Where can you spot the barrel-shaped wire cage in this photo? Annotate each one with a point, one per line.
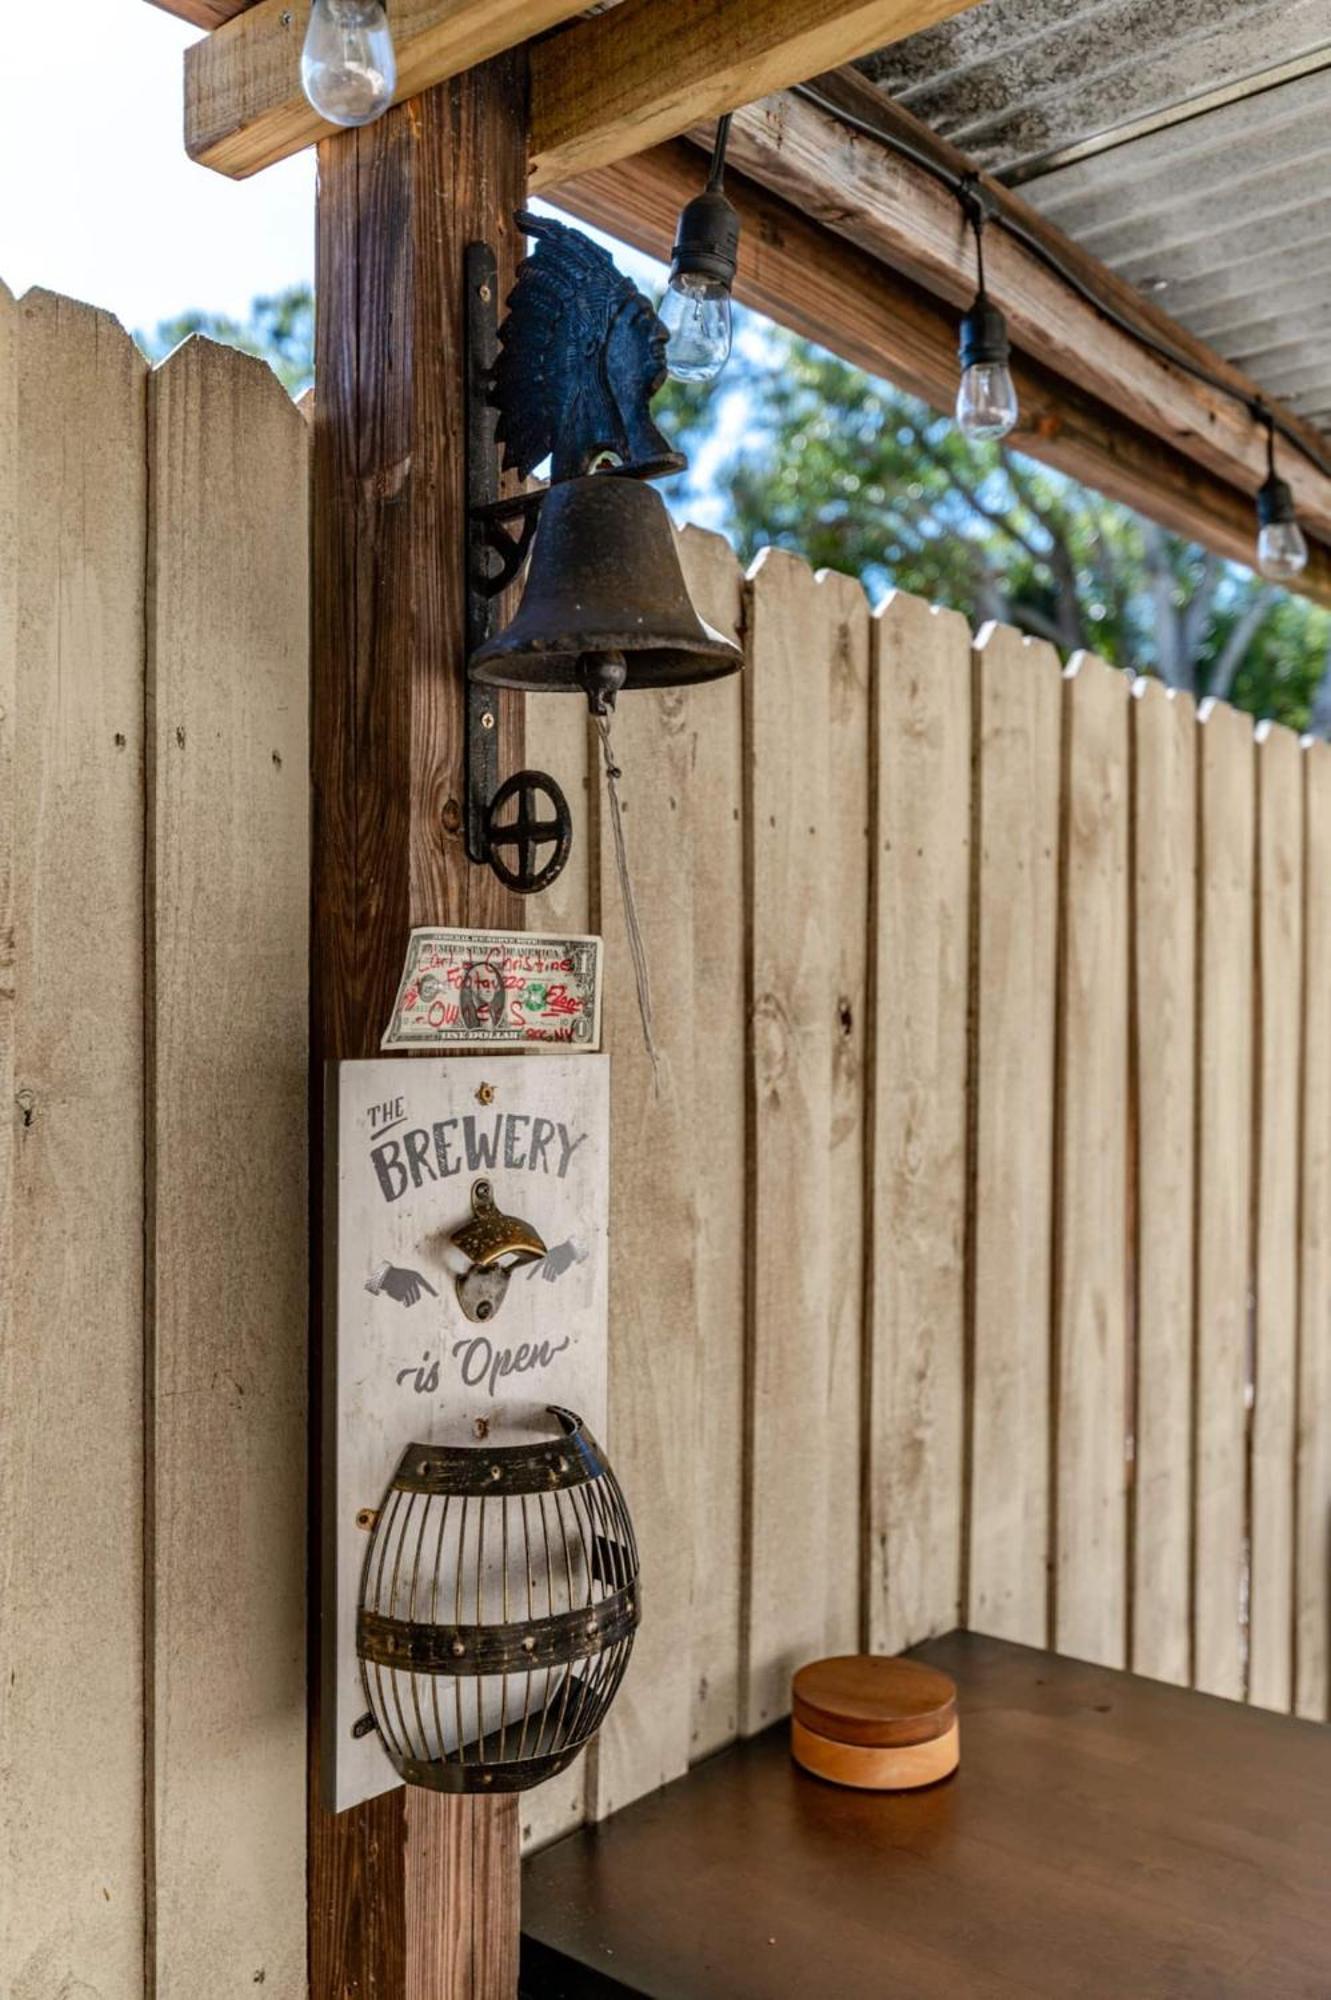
(498, 1609)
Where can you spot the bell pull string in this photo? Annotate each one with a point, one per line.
(637, 949)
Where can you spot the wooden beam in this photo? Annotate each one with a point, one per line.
(806, 277)
(244, 105)
(602, 89)
(414, 1895)
(649, 69)
(862, 189)
(203, 13)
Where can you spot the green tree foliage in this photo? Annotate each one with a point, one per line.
(280, 330)
(857, 476)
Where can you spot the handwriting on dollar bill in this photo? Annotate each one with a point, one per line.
(497, 990)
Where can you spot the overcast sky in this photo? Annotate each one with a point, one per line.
(97, 198)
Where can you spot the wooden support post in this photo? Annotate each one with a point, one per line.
(412, 1897)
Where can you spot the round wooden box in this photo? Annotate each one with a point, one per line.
(880, 1724)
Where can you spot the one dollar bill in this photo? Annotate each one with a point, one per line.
(497, 990)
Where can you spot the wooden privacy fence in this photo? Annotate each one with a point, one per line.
(972, 1262)
(154, 882)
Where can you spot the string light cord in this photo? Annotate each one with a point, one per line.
(716, 173)
(976, 200)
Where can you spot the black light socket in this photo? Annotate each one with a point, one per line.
(707, 239)
(984, 336)
(1275, 502)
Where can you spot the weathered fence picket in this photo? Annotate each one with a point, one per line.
(73, 411)
(1017, 721)
(1090, 1244)
(971, 1255)
(916, 1332)
(794, 910)
(1312, 1524)
(714, 864)
(1225, 888)
(1275, 1337)
(228, 874)
(1162, 1111)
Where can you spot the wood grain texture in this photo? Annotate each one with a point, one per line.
(906, 215)
(558, 740)
(245, 107)
(1017, 723)
(647, 69)
(10, 1751)
(792, 1456)
(715, 864)
(1225, 863)
(398, 203)
(1278, 1087)
(1162, 1109)
(804, 275)
(203, 13)
(1023, 1876)
(1312, 1576)
(1091, 1267)
(847, 664)
(72, 540)
(653, 1253)
(916, 1238)
(228, 875)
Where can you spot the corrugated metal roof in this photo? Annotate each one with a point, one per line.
(1186, 143)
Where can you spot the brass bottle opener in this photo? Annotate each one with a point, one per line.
(488, 1240)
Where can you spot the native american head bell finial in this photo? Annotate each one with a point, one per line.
(582, 353)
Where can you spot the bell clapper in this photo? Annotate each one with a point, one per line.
(602, 675)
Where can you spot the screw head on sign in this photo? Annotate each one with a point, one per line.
(486, 1094)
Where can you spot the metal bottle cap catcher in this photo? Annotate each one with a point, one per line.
(571, 374)
(498, 1609)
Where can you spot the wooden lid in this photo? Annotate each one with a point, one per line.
(872, 1699)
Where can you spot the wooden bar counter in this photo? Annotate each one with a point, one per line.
(1105, 1836)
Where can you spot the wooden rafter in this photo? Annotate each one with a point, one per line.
(803, 275)
(244, 106)
(602, 88)
(861, 189)
(649, 69)
(203, 13)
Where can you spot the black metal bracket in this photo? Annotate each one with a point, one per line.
(481, 320)
(499, 538)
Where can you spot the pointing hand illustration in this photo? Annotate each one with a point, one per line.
(404, 1286)
(555, 1262)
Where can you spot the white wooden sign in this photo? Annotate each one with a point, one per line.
(408, 1143)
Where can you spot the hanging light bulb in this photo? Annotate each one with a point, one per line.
(987, 398)
(1282, 552)
(348, 67)
(696, 308)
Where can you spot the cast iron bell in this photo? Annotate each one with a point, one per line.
(605, 604)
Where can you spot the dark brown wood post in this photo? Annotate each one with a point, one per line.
(412, 1897)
